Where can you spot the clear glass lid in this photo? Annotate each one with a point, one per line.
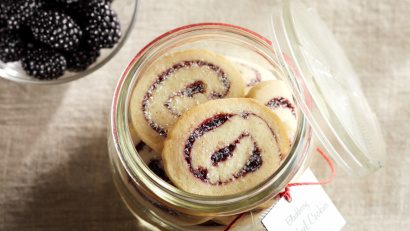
(327, 88)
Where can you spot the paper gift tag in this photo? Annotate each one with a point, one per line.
(310, 210)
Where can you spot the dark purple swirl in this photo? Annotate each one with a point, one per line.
(281, 102)
(253, 163)
(224, 153)
(166, 74)
(197, 87)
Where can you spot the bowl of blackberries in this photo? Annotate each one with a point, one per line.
(56, 41)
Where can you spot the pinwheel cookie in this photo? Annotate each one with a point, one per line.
(254, 73)
(175, 83)
(277, 96)
(224, 146)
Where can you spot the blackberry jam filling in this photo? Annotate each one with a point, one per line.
(201, 173)
(193, 88)
(197, 87)
(281, 102)
(206, 126)
(253, 163)
(189, 91)
(227, 151)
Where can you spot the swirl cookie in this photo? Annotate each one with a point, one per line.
(253, 73)
(250, 74)
(276, 95)
(174, 84)
(224, 147)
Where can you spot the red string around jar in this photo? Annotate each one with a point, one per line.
(286, 192)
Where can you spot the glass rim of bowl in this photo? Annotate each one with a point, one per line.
(94, 67)
(177, 198)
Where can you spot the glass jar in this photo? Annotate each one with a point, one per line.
(140, 188)
(159, 205)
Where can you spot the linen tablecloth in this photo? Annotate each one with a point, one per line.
(54, 168)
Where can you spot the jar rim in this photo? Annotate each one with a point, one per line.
(139, 172)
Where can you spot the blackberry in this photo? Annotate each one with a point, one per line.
(26, 36)
(66, 1)
(11, 46)
(101, 26)
(69, 7)
(3, 17)
(56, 29)
(81, 59)
(44, 63)
(19, 11)
(95, 9)
(3, 24)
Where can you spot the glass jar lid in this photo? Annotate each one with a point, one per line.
(326, 88)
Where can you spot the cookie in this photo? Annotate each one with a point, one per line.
(253, 73)
(224, 146)
(276, 95)
(175, 83)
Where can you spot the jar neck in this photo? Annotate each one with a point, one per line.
(168, 194)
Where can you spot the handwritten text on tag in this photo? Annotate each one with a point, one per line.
(310, 210)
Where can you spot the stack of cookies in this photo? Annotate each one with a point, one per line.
(194, 126)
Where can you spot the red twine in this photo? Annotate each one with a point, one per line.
(233, 222)
(286, 192)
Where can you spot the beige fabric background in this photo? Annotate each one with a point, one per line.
(54, 170)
